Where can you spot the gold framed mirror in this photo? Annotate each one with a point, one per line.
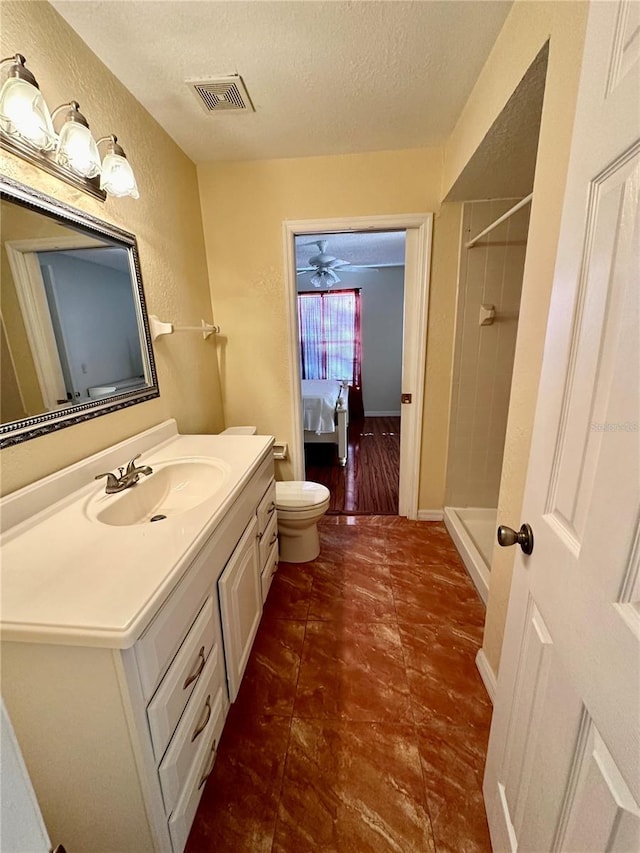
(74, 331)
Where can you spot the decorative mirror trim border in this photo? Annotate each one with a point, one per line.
(17, 431)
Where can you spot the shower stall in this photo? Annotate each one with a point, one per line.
(492, 253)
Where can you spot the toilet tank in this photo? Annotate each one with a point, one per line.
(239, 430)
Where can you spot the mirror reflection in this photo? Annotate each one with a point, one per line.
(72, 325)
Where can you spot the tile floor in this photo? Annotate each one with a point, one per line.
(362, 723)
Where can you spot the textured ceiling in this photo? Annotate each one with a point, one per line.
(325, 77)
(504, 164)
(371, 249)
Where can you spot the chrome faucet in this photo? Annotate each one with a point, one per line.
(126, 478)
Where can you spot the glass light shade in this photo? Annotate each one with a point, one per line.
(117, 176)
(316, 280)
(24, 113)
(77, 150)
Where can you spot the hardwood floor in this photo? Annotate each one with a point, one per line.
(368, 484)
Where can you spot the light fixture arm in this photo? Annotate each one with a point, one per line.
(73, 113)
(114, 147)
(19, 70)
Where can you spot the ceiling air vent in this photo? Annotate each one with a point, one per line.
(225, 94)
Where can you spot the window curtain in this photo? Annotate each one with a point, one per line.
(330, 341)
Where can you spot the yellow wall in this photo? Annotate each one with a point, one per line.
(166, 220)
(439, 366)
(526, 29)
(243, 207)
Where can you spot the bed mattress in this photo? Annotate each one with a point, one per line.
(319, 398)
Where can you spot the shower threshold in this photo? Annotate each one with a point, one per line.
(473, 532)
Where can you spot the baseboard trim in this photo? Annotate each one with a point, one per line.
(382, 414)
(430, 515)
(487, 674)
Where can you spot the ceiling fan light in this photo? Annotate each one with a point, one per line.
(316, 279)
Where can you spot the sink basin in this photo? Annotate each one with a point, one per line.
(174, 487)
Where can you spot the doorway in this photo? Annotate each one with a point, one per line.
(417, 228)
(496, 189)
(350, 313)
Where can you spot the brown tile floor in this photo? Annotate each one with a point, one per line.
(361, 724)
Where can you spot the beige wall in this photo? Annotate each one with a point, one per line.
(525, 31)
(490, 274)
(243, 207)
(166, 220)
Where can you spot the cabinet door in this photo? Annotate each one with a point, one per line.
(240, 606)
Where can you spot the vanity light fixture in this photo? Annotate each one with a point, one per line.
(23, 111)
(27, 129)
(77, 149)
(117, 176)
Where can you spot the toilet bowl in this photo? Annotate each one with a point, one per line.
(299, 507)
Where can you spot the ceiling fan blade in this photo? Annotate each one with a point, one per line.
(359, 269)
(302, 270)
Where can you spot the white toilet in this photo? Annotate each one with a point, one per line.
(300, 506)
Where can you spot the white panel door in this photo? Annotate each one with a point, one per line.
(21, 825)
(563, 765)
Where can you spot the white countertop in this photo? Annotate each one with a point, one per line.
(68, 579)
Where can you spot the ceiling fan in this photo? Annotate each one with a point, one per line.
(325, 266)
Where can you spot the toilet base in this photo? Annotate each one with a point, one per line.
(298, 544)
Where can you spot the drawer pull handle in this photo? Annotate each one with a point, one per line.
(209, 769)
(271, 509)
(274, 539)
(202, 726)
(195, 675)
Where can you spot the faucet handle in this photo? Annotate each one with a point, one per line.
(112, 481)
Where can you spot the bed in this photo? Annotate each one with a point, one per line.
(325, 413)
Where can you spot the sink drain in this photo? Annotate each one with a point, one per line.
(157, 517)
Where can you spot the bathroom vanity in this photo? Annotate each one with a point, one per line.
(124, 640)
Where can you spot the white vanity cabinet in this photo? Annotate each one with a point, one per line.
(119, 741)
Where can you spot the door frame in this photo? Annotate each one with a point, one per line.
(414, 349)
(30, 290)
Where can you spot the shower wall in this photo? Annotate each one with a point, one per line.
(490, 274)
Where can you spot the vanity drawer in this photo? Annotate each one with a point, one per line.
(268, 571)
(170, 698)
(267, 507)
(203, 719)
(268, 539)
(185, 810)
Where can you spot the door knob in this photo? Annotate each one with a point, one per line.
(523, 538)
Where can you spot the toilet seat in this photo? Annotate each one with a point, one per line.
(299, 496)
